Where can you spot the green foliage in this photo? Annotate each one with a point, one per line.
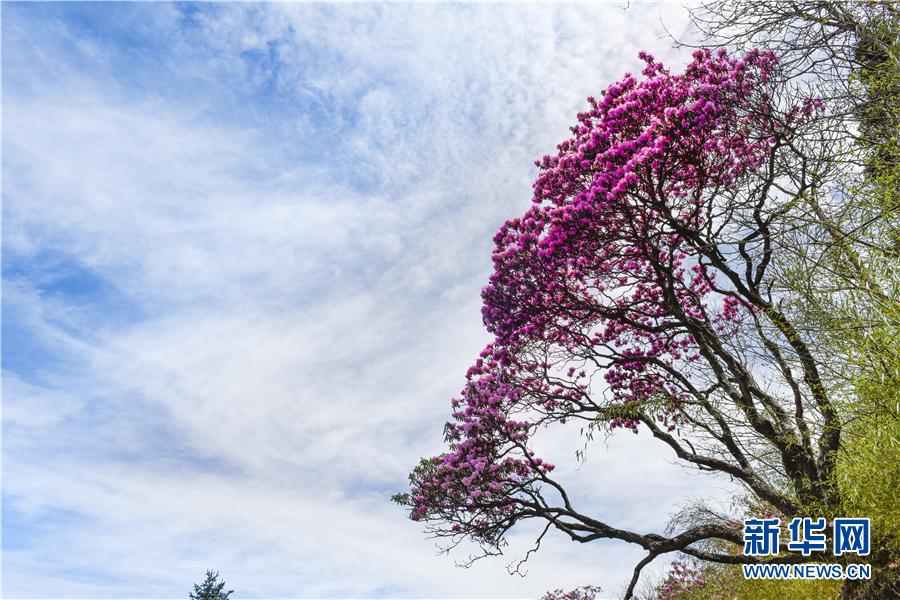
(877, 77)
(869, 469)
(210, 590)
(869, 478)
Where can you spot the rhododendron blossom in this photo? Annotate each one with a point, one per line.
(630, 296)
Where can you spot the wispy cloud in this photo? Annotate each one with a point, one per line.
(242, 253)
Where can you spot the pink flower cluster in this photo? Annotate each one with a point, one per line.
(586, 592)
(601, 260)
(683, 579)
(482, 473)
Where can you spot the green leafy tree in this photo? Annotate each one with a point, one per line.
(211, 589)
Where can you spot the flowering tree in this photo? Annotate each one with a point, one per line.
(641, 291)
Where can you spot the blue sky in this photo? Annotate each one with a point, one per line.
(242, 253)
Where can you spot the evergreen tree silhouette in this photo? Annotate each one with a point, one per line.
(210, 590)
